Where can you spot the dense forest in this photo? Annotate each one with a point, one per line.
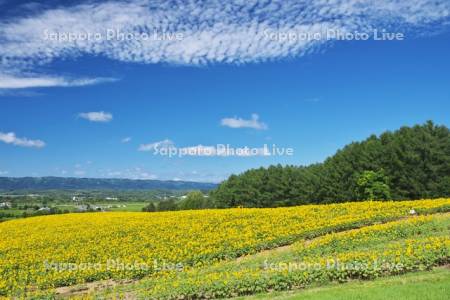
(410, 163)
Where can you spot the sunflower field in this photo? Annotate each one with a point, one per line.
(44, 253)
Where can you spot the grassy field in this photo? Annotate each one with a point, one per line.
(220, 253)
(108, 206)
(15, 212)
(126, 206)
(428, 285)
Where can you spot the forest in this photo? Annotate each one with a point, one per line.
(409, 163)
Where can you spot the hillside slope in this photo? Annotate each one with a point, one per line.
(192, 251)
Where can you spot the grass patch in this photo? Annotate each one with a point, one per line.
(432, 285)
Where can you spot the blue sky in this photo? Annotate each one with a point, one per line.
(89, 109)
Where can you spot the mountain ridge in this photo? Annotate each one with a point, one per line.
(68, 183)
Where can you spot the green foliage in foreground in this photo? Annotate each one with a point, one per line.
(410, 163)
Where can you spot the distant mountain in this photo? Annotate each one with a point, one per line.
(64, 183)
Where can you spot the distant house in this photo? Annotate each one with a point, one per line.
(44, 209)
(5, 205)
(112, 198)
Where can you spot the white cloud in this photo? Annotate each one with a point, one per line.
(199, 150)
(165, 144)
(203, 176)
(96, 116)
(11, 138)
(3, 173)
(242, 123)
(168, 148)
(79, 173)
(39, 81)
(223, 151)
(126, 140)
(145, 175)
(211, 31)
(142, 173)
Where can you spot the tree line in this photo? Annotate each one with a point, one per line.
(193, 200)
(410, 163)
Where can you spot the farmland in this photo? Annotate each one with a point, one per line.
(188, 251)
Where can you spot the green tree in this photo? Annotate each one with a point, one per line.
(416, 160)
(167, 205)
(150, 207)
(194, 200)
(373, 185)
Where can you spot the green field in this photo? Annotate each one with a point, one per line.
(109, 206)
(12, 213)
(430, 285)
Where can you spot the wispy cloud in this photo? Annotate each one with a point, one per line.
(235, 122)
(126, 140)
(201, 32)
(168, 148)
(96, 116)
(40, 81)
(156, 145)
(222, 151)
(203, 176)
(11, 138)
(3, 173)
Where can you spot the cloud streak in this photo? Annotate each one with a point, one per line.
(96, 116)
(211, 31)
(11, 138)
(165, 144)
(41, 81)
(169, 149)
(253, 122)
